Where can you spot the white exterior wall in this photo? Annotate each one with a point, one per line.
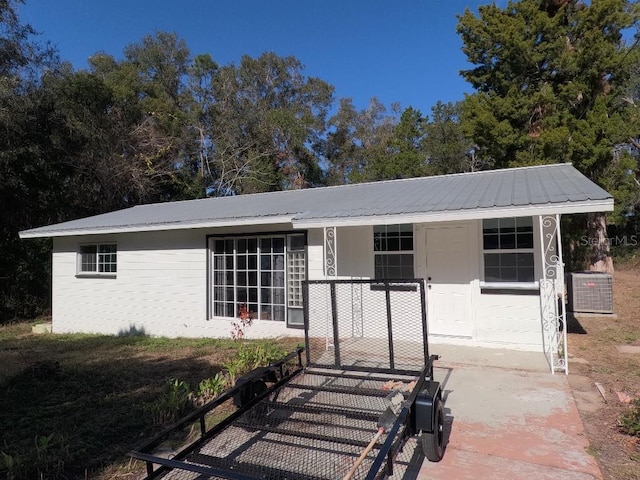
(501, 320)
(509, 320)
(161, 287)
(504, 320)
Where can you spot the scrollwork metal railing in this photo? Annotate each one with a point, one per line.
(552, 294)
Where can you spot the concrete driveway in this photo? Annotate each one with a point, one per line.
(507, 417)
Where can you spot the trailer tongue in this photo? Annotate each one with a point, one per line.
(312, 418)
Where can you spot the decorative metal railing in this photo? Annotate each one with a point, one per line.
(552, 294)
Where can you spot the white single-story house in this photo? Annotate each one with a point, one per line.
(484, 242)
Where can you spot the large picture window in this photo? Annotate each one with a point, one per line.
(98, 259)
(508, 249)
(393, 251)
(261, 274)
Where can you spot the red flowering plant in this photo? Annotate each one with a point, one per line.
(244, 320)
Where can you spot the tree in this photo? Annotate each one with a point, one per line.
(339, 147)
(202, 73)
(550, 77)
(358, 144)
(29, 180)
(265, 117)
(148, 131)
(408, 158)
(448, 148)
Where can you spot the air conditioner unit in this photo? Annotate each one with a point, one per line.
(590, 292)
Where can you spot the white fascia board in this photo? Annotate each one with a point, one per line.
(155, 227)
(452, 216)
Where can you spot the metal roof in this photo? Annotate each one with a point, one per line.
(544, 189)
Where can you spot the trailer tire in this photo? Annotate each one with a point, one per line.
(433, 442)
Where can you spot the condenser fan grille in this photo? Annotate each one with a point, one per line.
(590, 292)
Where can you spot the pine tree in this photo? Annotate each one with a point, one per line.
(550, 79)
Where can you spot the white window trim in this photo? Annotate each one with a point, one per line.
(286, 252)
(508, 285)
(96, 272)
(411, 252)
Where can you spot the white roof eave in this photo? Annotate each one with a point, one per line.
(458, 215)
(46, 233)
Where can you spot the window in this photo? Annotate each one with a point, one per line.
(296, 273)
(98, 259)
(393, 251)
(296, 266)
(250, 272)
(508, 249)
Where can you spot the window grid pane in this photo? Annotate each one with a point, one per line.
(253, 274)
(99, 258)
(107, 258)
(397, 243)
(295, 275)
(88, 258)
(223, 278)
(508, 245)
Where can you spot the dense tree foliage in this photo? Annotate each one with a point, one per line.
(555, 82)
(25, 171)
(550, 79)
(449, 148)
(266, 115)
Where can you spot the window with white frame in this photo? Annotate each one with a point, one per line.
(262, 274)
(296, 274)
(393, 251)
(98, 259)
(508, 249)
(296, 270)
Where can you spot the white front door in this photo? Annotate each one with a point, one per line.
(449, 276)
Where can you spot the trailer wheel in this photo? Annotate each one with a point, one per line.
(433, 443)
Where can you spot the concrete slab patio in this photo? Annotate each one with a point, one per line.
(507, 417)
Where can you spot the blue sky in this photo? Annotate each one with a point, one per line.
(404, 51)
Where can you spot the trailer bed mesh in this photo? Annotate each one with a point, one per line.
(314, 427)
(360, 337)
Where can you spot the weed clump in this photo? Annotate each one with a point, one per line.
(630, 421)
(178, 398)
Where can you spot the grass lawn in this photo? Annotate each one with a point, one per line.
(72, 406)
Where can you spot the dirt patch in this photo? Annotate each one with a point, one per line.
(595, 357)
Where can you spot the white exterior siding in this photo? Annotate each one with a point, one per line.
(315, 255)
(161, 286)
(499, 319)
(510, 321)
(159, 289)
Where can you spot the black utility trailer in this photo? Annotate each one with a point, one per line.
(310, 415)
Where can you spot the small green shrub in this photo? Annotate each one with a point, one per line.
(51, 454)
(11, 466)
(266, 353)
(174, 403)
(630, 421)
(45, 461)
(211, 387)
(252, 356)
(235, 368)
